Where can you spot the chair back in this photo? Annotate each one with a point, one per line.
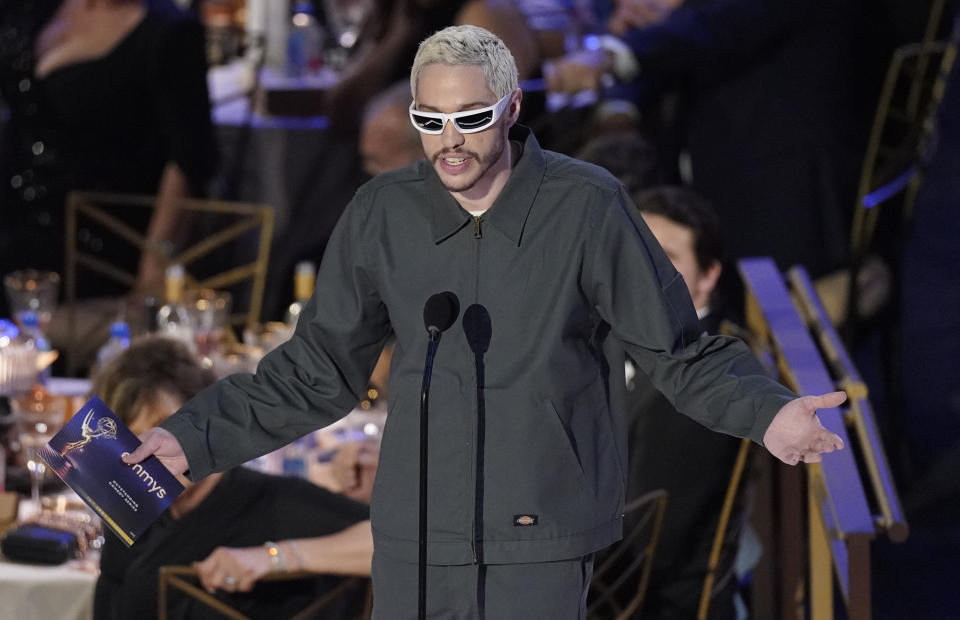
(227, 248)
(902, 129)
(726, 534)
(185, 581)
(621, 571)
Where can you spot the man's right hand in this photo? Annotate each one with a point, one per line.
(162, 444)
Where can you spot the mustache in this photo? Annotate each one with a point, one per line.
(459, 153)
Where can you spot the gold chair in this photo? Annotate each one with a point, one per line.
(184, 579)
(621, 571)
(902, 125)
(241, 231)
(723, 533)
(900, 140)
(901, 129)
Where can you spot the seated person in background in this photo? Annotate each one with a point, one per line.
(73, 127)
(387, 141)
(660, 442)
(387, 138)
(628, 156)
(391, 33)
(240, 507)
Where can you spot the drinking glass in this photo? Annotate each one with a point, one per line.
(210, 314)
(18, 361)
(39, 416)
(30, 289)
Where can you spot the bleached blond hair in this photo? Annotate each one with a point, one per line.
(468, 45)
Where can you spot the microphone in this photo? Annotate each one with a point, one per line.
(478, 330)
(439, 313)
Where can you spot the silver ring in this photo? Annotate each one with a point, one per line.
(230, 581)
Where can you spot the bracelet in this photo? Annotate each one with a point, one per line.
(276, 557)
(296, 553)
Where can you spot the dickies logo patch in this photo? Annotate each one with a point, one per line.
(525, 520)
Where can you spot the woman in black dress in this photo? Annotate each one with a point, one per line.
(105, 95)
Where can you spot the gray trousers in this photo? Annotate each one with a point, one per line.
(534, 591)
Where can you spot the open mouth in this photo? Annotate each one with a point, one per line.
(453, 163)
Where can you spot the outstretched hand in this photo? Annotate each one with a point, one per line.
(162, 444)
(795, 434)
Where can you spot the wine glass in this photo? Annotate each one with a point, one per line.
(30, 289)
(209, 312)
(39, 416)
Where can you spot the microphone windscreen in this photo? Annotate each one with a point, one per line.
(440, 311)
(477, 328)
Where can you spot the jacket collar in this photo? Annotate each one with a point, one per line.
(511, 208)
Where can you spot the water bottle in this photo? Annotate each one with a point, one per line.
(173, 319)
(117, 343)
(305, 41)
(304, 281)
(33, 337)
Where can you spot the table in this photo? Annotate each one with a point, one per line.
(311, 457)
(31, 592)
(35, 592)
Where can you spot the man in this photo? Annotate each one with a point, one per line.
(524, 489)
(387, 141)
(687, 228)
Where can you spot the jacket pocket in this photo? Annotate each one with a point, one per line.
(397, 479)
(563, 438)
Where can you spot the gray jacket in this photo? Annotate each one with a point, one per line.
(567, 273)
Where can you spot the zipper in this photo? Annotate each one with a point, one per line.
(476, 538)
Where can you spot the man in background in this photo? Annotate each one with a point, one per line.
(660, 442)
(387, 139)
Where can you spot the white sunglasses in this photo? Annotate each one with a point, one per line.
(468, 121)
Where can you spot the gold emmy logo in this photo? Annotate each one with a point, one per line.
(106, 429)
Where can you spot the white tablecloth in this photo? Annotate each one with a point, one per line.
(34, 592)
(29, 592)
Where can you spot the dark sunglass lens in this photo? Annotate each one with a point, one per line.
(475, 121)
(426, 122)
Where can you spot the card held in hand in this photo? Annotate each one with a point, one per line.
(86, 455)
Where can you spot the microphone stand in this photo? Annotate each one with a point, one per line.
(477, 329)
(424, 406)
(439, 313)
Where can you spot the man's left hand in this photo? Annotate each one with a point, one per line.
(796, 433)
